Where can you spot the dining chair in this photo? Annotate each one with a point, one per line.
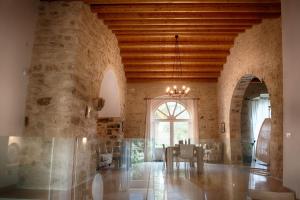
(176, 152)
(186, 154)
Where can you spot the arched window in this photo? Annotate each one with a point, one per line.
(171, 123)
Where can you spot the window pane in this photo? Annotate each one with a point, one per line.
(162, 134)
(179, 109)
(180, 131)
(159, 115)
(163, 108)
(183, 115)
(171, 106)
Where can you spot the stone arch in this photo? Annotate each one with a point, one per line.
(110, 92)
(259, 56)
(235, 115)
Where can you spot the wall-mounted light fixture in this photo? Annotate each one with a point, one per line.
(98, 103)
(87, 112)
(222, 127)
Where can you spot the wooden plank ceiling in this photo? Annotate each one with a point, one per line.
(146, 31)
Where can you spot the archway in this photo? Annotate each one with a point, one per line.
(250, 105)
(110, 92)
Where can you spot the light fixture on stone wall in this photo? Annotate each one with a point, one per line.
(182, 90)
(98, 103)
(87, 112)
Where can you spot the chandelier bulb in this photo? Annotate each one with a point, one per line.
(175, 91)
(168, 89)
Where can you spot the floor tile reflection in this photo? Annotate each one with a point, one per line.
(150, 181)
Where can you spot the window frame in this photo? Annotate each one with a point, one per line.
(171, 118)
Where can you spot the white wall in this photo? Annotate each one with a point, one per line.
(17, 22)
(291, 93)
(110, 92)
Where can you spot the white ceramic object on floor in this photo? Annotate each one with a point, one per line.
(97, 187)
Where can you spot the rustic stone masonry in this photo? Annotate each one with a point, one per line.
(72, 49)
(256, 53)
(136, 107)
(111, 131)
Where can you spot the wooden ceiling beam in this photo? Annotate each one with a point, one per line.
(172, 75)
(171, 64)
(171, 48)
(138, 60)
(219, 43)
(134, 80)
(176, 67)
(173, 33)
(176, 27)
(183, 8)
(113, 2)
(183, 22)
(146, 50)
(186, 15)
(150, 68)
(180, 32)
(160, 56)
(171, 55)
(171, 38)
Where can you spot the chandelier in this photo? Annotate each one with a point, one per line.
(182, 90)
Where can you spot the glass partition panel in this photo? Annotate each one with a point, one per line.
(36, 167)
(64, 168)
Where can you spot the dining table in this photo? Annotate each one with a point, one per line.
(174, 151)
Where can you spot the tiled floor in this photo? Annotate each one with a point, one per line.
(150, 181)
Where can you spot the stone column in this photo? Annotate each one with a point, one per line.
(72, 49)
(51, 88)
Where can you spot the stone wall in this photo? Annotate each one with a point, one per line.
(111, 132)
(136, 107)
(256, 53)
(72, 49)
